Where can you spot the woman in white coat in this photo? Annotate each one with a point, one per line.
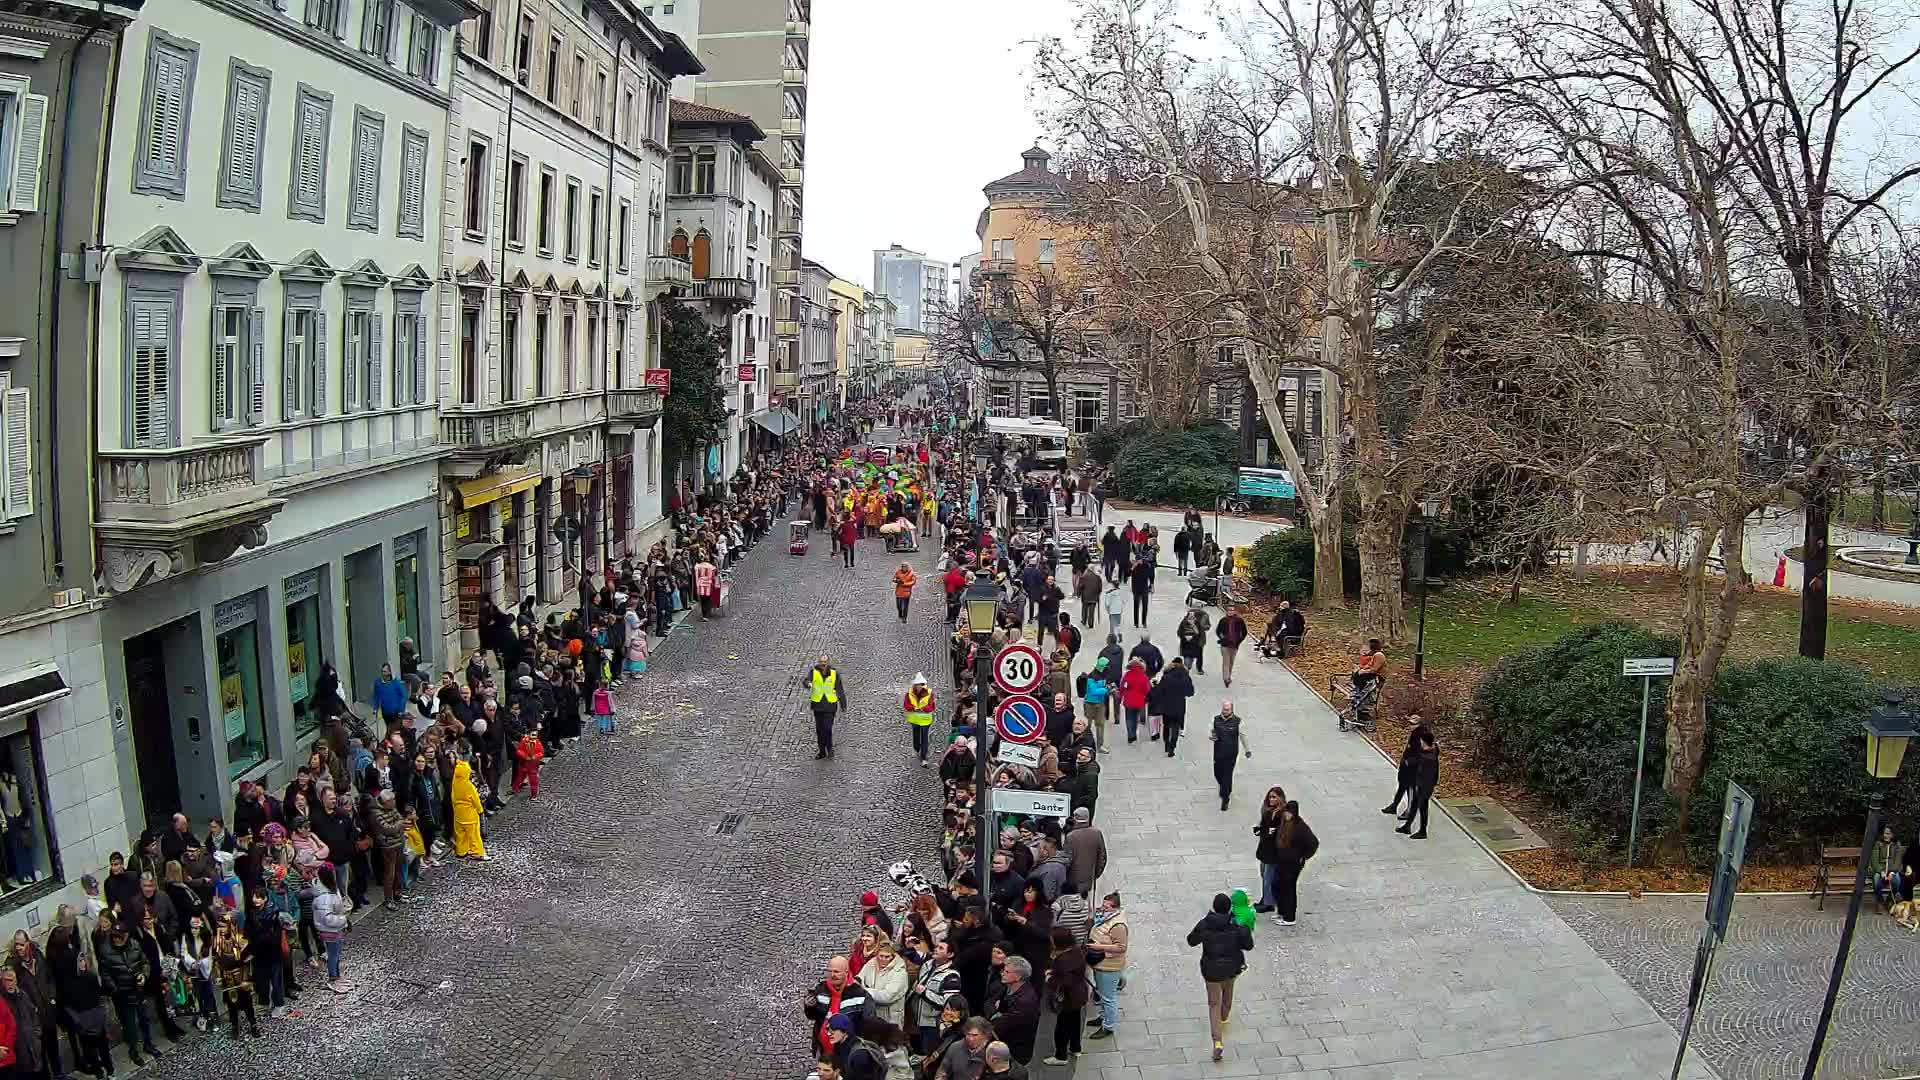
(885, 977)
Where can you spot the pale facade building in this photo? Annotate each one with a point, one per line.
(553, 209)
(268, 436)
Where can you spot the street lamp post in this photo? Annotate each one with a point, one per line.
(1889, 727)
(1429, 509)
(983, 608)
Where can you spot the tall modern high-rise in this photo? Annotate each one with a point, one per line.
(755, 55)
(916, 284)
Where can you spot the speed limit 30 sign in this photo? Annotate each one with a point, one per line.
(1018, 669)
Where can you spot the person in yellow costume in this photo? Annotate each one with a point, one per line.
(466, 814)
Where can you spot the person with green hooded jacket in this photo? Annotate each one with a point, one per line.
(1095, 688)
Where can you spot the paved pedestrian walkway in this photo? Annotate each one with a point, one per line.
(1412, 959)
(1769, 979)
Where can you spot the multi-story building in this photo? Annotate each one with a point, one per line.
(850, 327)
(965, 273)
(755, 55)
(916, 284)
(881, 313)
(267, 429)
(554, 213)
(720, 193)
(818, 361)
(63, 793)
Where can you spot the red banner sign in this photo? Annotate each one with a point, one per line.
(660, 379)
(747, 373)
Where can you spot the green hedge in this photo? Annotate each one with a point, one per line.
(1283, 563)
(1192, 467)
(1562, 720)
(1105, 444)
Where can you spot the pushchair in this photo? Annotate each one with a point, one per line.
(1361, 703)
(797, 537)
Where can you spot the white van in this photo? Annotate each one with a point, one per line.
(1047, 439)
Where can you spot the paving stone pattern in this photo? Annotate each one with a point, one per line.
(617, 934)
(1769, 980)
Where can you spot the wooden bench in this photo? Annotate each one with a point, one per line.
(1831, 859)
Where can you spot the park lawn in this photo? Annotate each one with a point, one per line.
(1471, 625)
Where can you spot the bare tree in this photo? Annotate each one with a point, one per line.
(1353, 94)
(1658, 411)
(1036, 316)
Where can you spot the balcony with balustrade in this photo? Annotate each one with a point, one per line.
(732, 293)
(666, 274)
(165, 512)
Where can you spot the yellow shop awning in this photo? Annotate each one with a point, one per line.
(482, 490)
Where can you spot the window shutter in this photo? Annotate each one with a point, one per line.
(310, 154)
(289, 367)
(413, 184)
(374, 354)
(151, 332)
(318, 382)
(256, 366)
(419, 360)
(350, 395)
(29, 151)
(222, 365)
(248, 104)
(169, 115)
(366, 162)
(18, 410)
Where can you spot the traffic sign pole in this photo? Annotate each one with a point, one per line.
(1648, 669)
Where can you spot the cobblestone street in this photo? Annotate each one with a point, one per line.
(1768, 981)
(619, 932)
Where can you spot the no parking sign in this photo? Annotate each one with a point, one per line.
(1020, 719)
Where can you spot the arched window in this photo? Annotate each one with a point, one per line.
(702, 254)
(678, 245)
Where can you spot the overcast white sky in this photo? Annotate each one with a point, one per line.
(913, 106)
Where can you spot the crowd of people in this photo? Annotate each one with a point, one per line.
(236, 918)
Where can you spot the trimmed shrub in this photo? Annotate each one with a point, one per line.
(1563, 720)
(1788, 730)
(1105, 444)
(1184, 468)
(1283, 563)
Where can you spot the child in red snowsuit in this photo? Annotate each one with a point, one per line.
(528, 754)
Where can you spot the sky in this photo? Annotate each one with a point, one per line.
(913, 106)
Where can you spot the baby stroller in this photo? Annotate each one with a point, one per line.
(797, 537)
(1362, 703)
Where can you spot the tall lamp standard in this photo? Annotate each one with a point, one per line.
(1430, 508)
(983, 607)
(1889, 727)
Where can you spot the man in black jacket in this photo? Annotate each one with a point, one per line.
(1017, 1019)
(973, 939)
(1224, 944)
(335, 827)
(1169, 699)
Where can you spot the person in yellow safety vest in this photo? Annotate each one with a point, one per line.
(918, 705)
(827, 699)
